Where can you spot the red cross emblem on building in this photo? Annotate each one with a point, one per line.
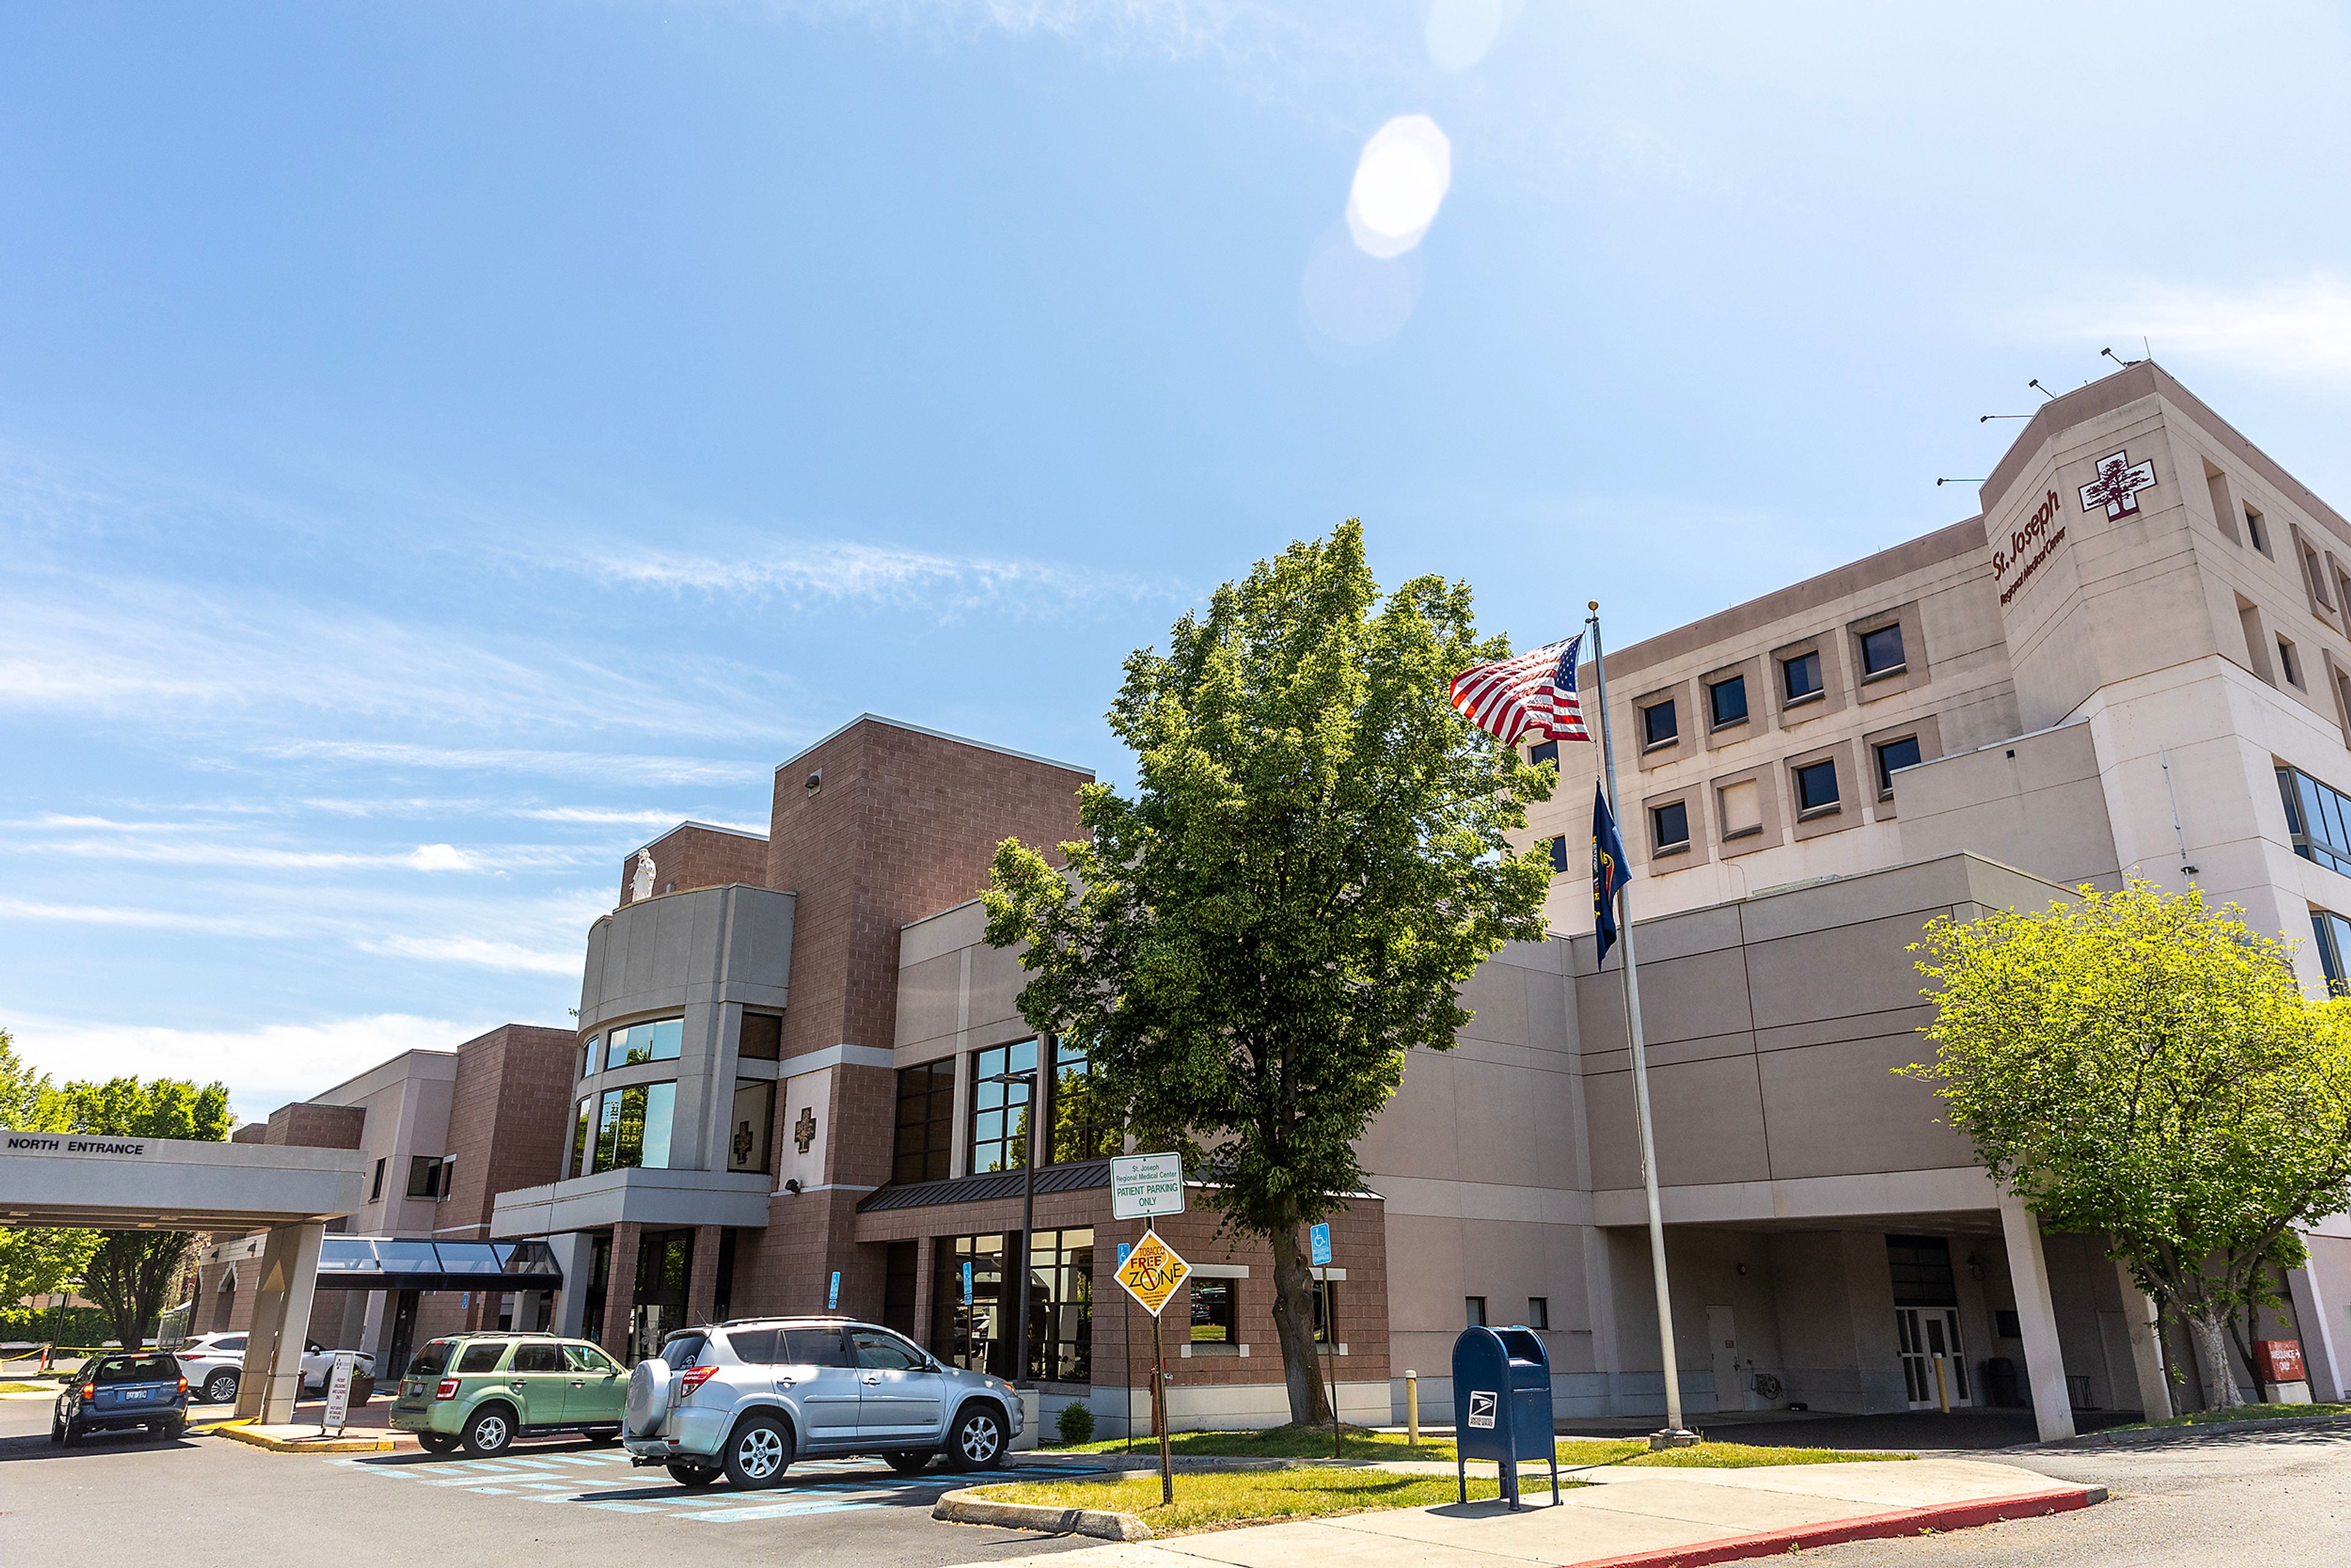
(2118, 486)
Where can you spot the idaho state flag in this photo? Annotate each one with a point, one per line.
(1607, 872)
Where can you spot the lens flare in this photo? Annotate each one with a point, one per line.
(1400, 182)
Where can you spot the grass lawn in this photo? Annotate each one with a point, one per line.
(1218, 1499)
(1315, 1443)
(27, 1388)
(2241, 1413)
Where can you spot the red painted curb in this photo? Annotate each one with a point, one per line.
(1870, 1526)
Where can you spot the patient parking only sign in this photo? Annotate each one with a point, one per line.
(1143, 1186)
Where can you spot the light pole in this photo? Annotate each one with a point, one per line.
(1032, 1078)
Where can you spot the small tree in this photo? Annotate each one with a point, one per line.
(1312, 862)
(34, 1259)
(131, 1272)
(2134, 1064)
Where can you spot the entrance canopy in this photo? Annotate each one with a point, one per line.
(390, 1263)
(171, 1183)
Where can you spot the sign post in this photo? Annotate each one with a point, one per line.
(339, 1395)
(1126, 1345)
(1151, 1274)
(1319, 1254)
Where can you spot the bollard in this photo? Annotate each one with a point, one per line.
(1412, 1409)
(1942, 1388)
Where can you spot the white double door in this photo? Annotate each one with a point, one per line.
(1929, 1339)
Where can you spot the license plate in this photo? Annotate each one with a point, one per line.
(136, 1392)
(416, 1388)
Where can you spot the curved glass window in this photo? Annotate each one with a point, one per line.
(656, 1041)
(633, 1127)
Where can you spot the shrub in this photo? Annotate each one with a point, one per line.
(1076, 1424)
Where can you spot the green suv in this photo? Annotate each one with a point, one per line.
(485, 1390)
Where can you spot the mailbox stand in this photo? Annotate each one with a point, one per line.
(1501, 1407)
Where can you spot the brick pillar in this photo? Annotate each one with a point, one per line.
(926, 1281)
(702, 1284)
(621, 1289)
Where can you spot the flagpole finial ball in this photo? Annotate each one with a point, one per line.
(1592, 605)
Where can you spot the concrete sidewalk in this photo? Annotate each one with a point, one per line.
(1628, 1517)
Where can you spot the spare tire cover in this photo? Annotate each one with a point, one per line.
(649, 1389)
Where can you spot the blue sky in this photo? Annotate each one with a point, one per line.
(441, 444)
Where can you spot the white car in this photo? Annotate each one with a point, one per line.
(214, 1363)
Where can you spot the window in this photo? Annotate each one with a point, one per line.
(1659, 726)
(1214, 1319)
(1816, 786)
(1799, 677)
(1062, 1305)
(1891, 756)
(926, 1122)
(973, 1304)
(588, 1054)
(878, 1350)
(1079, 1128)
(2334, 934)
(657, 1040)
(579, 1165)
(424, 1176)
(482, 1355)
(588, 1358)
(633, 1127)
(2318, 819)
(1670, 825)
(2257, 531)
(1740, 806)
(1473, 1309)
(761, 1038)
(2289, 664)
(999, 1111)
(1325, 1303)
(685, 1350)
(1727, 701)
(1881, 650)
(1559, 855)
(1538, 1311)
(1544, 751)
(547, 1357)
(2317, 575)
(448, 1180)
(375, 1188)
(814, 1347)
(753, 1123)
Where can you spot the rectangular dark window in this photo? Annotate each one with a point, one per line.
(2289, 663)
(2005, 1324)
(900, 1263)
(926, 1122)
(1659, 725)
(1669, 824)
(1881, 650)
(2318, 819)
(1080, 1130)
(1538, 1311)
(1062, 1305)
(1816, 785)
(2334, 935)
(2256, 531)
(761, 1038)
(1544, 751)
(1473, 1309)
(972, 1322)
(1799, 677)
(633, 1127)
(722, 1295)
(578, 1164)
(1215, 1319)
(1921, 1267)
(423, 1177)
(375, 1188)
(1559, 855)
(999, 1110)
(657, 1040)
(1728, 701)
(1325, 1303)
(751, 1126)
(588, 1054)
(1891, 756)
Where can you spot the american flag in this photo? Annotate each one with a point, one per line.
(1531, 694)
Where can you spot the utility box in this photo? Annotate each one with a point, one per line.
(1501, 1405)
(2277, 1366)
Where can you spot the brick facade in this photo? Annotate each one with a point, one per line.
(694, 855)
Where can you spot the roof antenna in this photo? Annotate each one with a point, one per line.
(1988, 418)
(1941, 483)
(2036, 384)
(2110, 353)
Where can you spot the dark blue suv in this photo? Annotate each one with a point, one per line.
(120, 1389)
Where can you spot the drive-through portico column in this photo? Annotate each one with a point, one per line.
(272, 1376)
(2147, 1349)
(2045, 1360)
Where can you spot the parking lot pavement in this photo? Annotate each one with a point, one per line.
(221, 1505)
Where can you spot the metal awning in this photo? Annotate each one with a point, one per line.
(395, 1263)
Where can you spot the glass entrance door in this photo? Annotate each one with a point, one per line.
(1929, 1341)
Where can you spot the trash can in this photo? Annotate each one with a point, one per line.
(1501, 1405)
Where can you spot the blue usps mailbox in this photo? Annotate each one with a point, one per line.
(1501, 1405)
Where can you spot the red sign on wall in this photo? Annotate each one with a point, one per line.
(2280, 1360)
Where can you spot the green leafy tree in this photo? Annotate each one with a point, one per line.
(34, 1259)
(131, 1272)
(1312, 862)
(2134, 1064)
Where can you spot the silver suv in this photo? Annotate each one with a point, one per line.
(745, 1398)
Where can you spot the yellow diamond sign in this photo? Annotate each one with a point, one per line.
(1152, 1272)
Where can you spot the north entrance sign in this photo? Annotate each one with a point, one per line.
(1152, 1273)
(1143, 1186)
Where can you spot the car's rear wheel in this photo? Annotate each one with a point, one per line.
(219, 1388)
(491, 1431)
(979, 1441)
(691, 1475)
(909, 1461)
(436, 1442)
(758, 1453)
(56, 1428)
(69, 1433)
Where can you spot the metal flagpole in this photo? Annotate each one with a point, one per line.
(1675, 1435)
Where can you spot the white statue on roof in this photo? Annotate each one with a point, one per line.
(641, 884)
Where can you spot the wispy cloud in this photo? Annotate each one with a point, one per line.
(2296, 327)
(841, 572)
(485, 952)
(1233, 31)
(116, 915)
(617, 766)
(263, 857)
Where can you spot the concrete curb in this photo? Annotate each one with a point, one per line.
(968, 1506)
(348, 1444)
(1868, 1527)
(2143, 1437)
